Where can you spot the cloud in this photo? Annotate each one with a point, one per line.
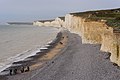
(50, 8)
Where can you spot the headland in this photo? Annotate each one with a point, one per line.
(91, 50)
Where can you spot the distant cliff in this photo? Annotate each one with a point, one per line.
(96, 27)
(58, 22)
(20, 23)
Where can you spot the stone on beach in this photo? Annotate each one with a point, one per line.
(78, 62)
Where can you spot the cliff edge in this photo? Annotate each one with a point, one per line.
(94, 27)
(98, 27)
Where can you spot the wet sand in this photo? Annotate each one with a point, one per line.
(74, 61)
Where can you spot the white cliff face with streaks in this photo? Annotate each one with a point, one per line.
(91, 32)
(56, 23)
(94, 32)
(37, 23)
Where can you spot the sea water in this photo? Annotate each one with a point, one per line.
(20, 41)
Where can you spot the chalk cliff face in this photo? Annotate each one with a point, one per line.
(94, 32)
(37, 23)
(58, 22)
(91, 32)
(85, 29)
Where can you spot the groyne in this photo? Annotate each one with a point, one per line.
(26, 64)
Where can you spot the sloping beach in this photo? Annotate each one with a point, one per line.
(20, 41)
(58, 44)
(75, 61)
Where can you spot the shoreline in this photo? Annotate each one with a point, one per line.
(18, 51)
(24, 42)
(74, 61)
(55, 50)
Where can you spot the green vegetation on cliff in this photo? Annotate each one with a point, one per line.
(111, 16)
(62, 18)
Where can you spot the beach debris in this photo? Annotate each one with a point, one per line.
(27, 69)
(107, 55)
(22, 70)
(52, 61)
(115, 64)
(15, 71)
(10, 71)
(61, 43)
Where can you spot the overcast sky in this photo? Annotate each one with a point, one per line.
(30, 10)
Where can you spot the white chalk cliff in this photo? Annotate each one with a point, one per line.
(91, 32)
(58, 22)
(96, 32)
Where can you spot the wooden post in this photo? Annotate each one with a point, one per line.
(28, 68)
(22, 70)
(10, 71)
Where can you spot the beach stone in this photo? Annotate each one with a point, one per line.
(77, 62)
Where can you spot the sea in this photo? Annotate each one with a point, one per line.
(20, 41)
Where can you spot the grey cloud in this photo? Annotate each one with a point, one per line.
(34, 9)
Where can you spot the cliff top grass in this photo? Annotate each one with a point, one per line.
(45, 20)
(110, 16)
(62, 18)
